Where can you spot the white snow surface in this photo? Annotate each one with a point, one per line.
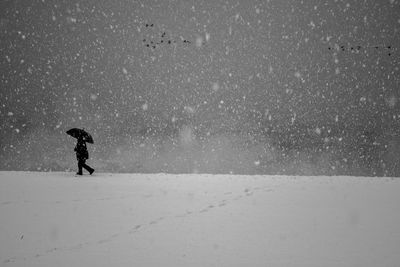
(57, 219)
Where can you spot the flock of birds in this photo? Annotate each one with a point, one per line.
(357, 48)
(164, 40)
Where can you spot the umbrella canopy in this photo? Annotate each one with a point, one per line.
(80, 133)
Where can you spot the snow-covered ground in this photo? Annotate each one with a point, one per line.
(56, 219)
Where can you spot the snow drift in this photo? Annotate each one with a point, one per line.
(56, 219)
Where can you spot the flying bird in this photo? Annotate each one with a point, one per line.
(154, 43)
(359, 47)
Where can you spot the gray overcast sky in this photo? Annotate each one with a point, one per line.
(221, 65)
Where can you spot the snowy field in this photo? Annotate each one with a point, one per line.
(56, 219)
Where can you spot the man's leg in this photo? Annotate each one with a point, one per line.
(88, 168)
(80, 163)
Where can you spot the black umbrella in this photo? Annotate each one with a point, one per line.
(80, 133)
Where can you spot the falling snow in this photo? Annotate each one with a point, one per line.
(272, 82)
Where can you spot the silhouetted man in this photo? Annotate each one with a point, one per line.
(82, 155)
